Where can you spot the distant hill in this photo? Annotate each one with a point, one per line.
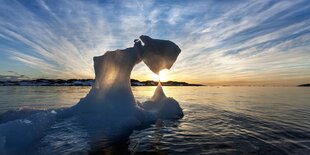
(86, 82)
(304, 85)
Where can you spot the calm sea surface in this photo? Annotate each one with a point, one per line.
(218, 120)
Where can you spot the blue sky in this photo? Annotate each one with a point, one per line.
(222, 42)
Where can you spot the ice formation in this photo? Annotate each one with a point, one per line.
(160, 54)
(110, 102)
(111, 94)
(161, 106)
(18, 134)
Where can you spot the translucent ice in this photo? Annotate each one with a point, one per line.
(111, 94)
(163, 107)
(161, 54)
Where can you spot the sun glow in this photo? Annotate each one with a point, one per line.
(162, 76)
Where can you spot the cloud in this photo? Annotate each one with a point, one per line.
(13, 76)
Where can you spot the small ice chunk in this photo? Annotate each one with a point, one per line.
(159, 93)
(53, 112)
(26, 121)
(162, 106)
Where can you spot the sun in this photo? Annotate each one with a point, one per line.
(161, 77)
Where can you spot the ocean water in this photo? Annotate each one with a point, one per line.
(218, 120)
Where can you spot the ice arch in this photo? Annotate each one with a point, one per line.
(111, 94)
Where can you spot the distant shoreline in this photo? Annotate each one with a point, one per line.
(87, 82)
(134, 82)
(304, 85)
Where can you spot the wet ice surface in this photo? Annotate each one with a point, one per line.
(224, 120)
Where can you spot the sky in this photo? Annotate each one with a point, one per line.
(233, 42)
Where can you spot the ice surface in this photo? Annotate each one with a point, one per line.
(111, 92)
(110, 103)
(160, 54)
(18, 134)
(159, 93)
(163, 107)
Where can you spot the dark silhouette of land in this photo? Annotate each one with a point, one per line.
(86, 82)
(304, 85)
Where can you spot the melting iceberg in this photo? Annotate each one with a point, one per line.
(110, 102)
(111, 94)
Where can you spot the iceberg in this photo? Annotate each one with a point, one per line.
(111, 94)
